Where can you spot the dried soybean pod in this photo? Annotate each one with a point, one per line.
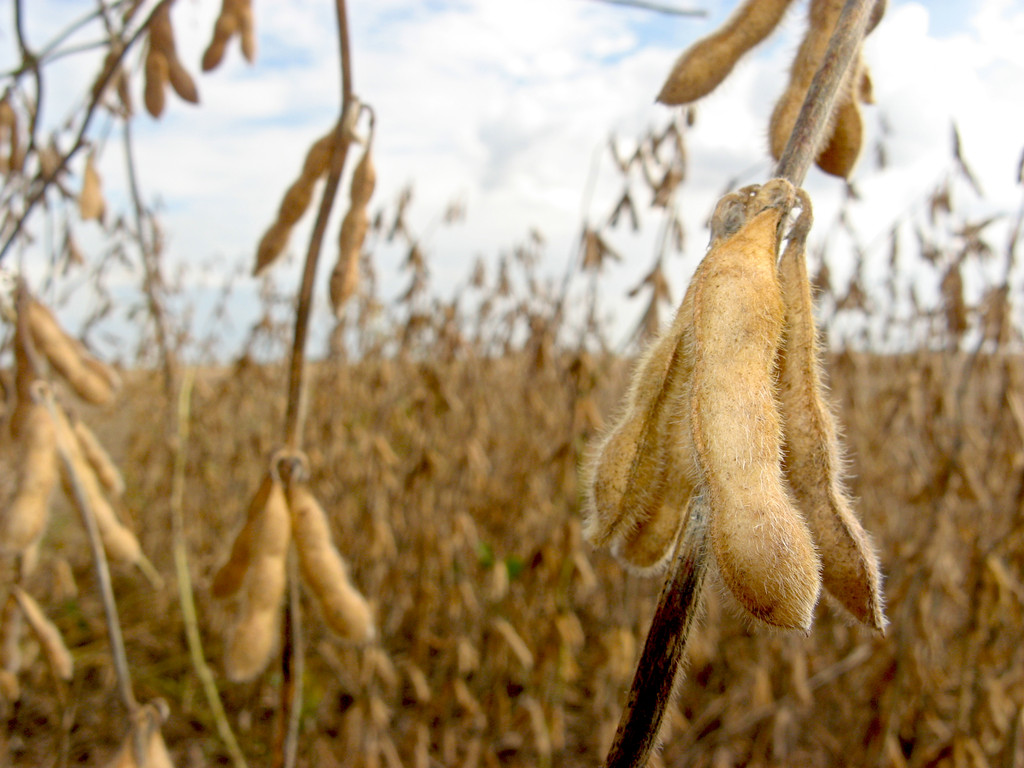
(228, 22)
(106, 470)
(118, 541)
(24, 520)
(90, 201)
(843, 147)
(12, 627)
(144, 737)
(355, 225)
(271, 245)
(26, 367)
(364, 179)
(181, 81)
(822, 20)
(638, 480)
(246, 33)
(761, 543)
(229, 578)
(68, 357)
(255, 630)
(9, 128)
(156, 74)
(625, 478)
(343, 609)
(296, 201)
(161, 41)
(47, 633)
(345, 275)
(706, 63)
(812, 459)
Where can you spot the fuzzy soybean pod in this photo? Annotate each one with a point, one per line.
(93, 381)
(345, 275)
(639, 479)
(46, 633)
(118, 541)
(157, 72)
(106, 470)
(295, 202)
(144, 745)
(843, 148)
(343, 609)
(230, 576)
(24, 519)
(761, 543)
(634, 495)
(705, 64)
(256, 628)
(813, 456)
(235, 18)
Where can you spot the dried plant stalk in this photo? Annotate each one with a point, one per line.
(761, 542)
(813, 454)
(46, 633)
(256, 628)
(344, 610)
(822, 18)
(706, 63)
(678, 606)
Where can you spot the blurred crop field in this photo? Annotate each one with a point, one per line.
(447, 460)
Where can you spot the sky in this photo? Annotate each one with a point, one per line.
(507, 107)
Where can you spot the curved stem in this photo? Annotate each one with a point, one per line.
(295, 413)
(663, 651)
(81, 498)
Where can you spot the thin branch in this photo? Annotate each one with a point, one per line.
(295, 412)
(117, 650)
(668, 10)
(663, 651)
(185, 597)
(809, 130)
(293, 660)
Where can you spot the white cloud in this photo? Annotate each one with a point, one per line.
(504, 104)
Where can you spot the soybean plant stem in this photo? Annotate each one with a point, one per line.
(663, 651)
(286, 748)
(809, 130)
